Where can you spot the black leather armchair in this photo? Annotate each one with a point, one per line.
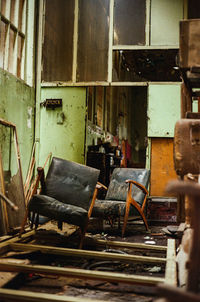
(126, 195)
(66, 195)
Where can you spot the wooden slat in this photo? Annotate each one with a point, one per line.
(81, 274)
(170, 271)
(20, 295)
(4, 246)
(85, 253)
(131, 245)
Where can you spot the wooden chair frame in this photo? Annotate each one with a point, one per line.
(131, 201)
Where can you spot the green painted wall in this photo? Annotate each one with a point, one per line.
(163, 109)
(62, 130)
(17, 106)
(165, 17)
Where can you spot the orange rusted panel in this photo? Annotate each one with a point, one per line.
(162, 165)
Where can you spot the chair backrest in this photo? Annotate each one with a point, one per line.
(71, 183)
(117, 189)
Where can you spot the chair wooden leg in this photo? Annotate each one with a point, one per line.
(126, 217)
(82, 237)
(135, 204)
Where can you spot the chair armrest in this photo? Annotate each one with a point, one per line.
(101, 186)
(137, 184)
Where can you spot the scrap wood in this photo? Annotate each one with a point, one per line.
(86, 253)
(170, 271)
(20, 295)
(9, 202)
(29, 174)
(2, 190)
(4, 245)
(130, 245)
(8, 276)
(82, 274)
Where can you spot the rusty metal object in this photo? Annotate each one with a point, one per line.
(192, 190)
(187, 146)
(189, 51)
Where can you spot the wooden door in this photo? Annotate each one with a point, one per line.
(162, 165)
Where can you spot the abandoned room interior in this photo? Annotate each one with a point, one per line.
(99, 150)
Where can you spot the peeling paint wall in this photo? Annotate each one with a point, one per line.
(62, 130)
(163, 109)
(17, 106)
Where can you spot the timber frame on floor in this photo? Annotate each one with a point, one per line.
(17, 244)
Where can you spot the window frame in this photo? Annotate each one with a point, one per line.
(111, 49)
(22, 64)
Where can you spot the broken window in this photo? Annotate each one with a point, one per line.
(129, 22)
(145, 65)
(93, 33)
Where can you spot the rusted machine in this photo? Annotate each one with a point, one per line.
(187, 146)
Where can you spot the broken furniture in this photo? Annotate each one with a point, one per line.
(11, 180)
(66, 194)
(127, 195)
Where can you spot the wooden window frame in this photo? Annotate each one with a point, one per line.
(23, 55)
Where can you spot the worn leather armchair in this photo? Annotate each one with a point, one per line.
(126, 195)
(67, 194)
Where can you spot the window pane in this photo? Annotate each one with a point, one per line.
(13, 12)
(19, 56)
(3, 7)
(58, 40)
(21, 15)
(12, 37)
(129, 22)
(93, 40)
(145, 65)
(2, 42)
(165, 17)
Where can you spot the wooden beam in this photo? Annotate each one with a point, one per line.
(131, 245)
(27, 296)
(5, 245)
(85, 253)
(81, 273)
(170, 271)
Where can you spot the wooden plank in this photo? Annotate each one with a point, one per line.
(81, 274)
(131, 245)
(27, 296)
(4, 245)
(162, 165)
(85, 253)
(170, 271)
(4, 214)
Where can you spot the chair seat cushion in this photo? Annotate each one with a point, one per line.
(111, 208)
(54, 209)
